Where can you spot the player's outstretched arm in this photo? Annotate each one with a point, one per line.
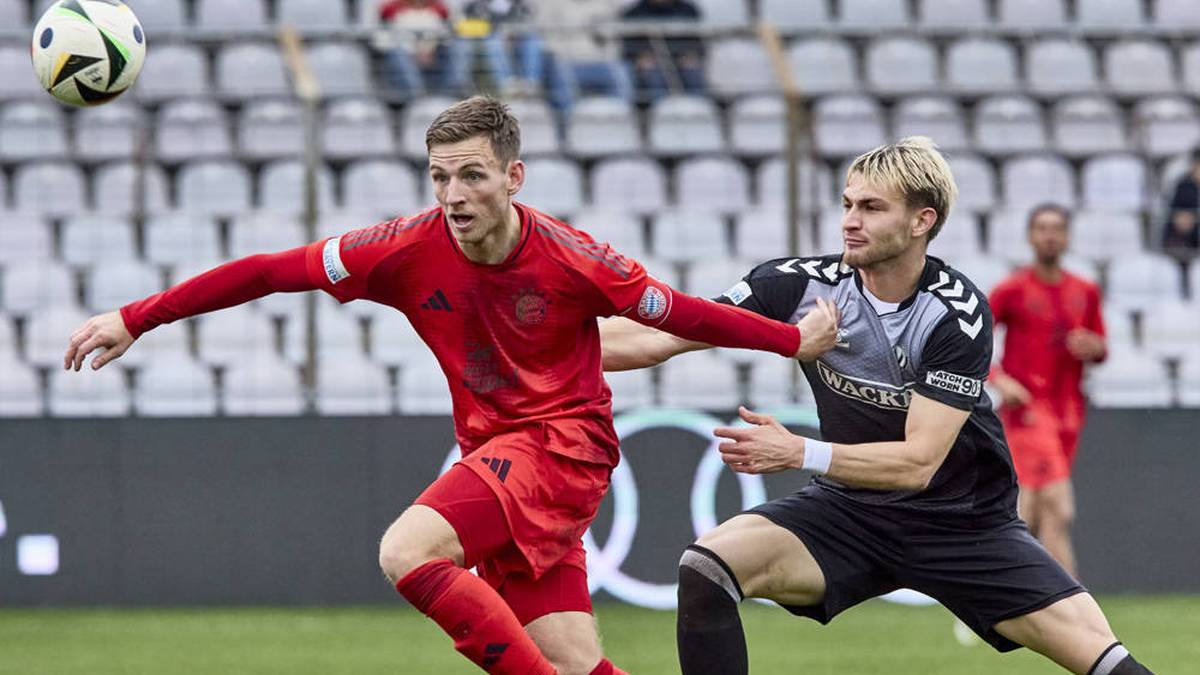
(628, 345)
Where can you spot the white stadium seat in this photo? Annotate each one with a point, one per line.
(1140, 279)
(270, 130)
(958, 239)
(1104, 234)
(976, 182)
(119, 190)
(637, 184)
(383, 186)
(771, 381)
(175, 387)
(393, 340)
(981, 66)
(700, 380)
(539, 127)
(1140, 68)
(937, 117)
(24, 238)
(1189, 379)
(32, 130)
(192, 129)
(21, 83)
(873, 15)
(14, 13)
(553, 185)
(265, 386)
(357, 127)
(235, 335)
(953, 16)
(33, 285)
(1035, 179)
(1008, 125)
(824, 65)
(176, 71)
(110, 131)
(902, 65)
(621, 229)
(761, 234)
(1176, 15)
(790, 15)
(1109, 16)
(814, 181)
(684, 125)
(1057, 66)
(281, 187)
(680, 235)
(1088, 126)
(739, 66)
(848, 125)
(88, 393)
(1171, 329)
(985, 271)
(227, 16)
(50, 188)
(47, 333)
(724, 13)
(631, 389)
(423, 389)
(716, 183)
(352, 386)
(264, 232)
(214, 188)
(162, 16)
(178, 237)
(1032, 15)
(20, 389)
(311, 16)
(599, 126)
(757, 125)
(414, 122)
(710, 277)
(95, 240)
(1129, 379)
(251, 69)
(1168, 125)
(118, 282)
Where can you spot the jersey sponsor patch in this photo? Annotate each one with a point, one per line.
(738, 294)
(878, 394)
(957, 384)
(653, 304)
(331, 259)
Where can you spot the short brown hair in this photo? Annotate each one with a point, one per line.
(478, 116)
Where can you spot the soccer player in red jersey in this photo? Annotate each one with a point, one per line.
(1054, 327)
(507, 298)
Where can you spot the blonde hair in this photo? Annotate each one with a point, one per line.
(913, 167)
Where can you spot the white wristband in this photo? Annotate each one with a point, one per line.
(818, 455)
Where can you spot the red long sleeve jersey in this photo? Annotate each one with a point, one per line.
(518, 341)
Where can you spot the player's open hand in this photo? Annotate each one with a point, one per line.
(818, 330)
(104, 331)
(765, 447)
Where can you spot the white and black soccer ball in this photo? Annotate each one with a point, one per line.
(87, 52)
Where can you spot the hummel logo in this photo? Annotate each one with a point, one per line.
(437, 302)
(498, 466)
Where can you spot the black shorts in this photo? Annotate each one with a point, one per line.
(983, 574)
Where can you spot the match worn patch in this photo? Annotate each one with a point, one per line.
(653, 304)
(331, 258)
(739, 293)
(958, 384)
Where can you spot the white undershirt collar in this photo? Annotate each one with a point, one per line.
(879, 306)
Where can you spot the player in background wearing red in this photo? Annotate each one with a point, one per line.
(507, 298)
(1054, 328)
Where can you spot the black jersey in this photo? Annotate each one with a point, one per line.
(938, 342)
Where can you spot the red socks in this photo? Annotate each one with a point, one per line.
(607, 668)
(483, 627)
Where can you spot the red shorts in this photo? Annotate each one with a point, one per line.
(1043, 449)
(520, 513)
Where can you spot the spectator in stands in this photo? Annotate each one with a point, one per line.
(1182, 233)
(654, 78)
(584, 58)
(509, 23)
(426, 50)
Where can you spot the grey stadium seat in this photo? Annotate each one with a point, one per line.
(873, 15)
(702, 381)
(266, 386)
(958, 239)
(394, 342)
(271, 130)
(981, 66)
(1035, 179)
(176, 71)
(724, 13)
(234, 335)
(109, 131)
(192, 129)
(1176, 15)
(357, 127)
(117, 282)
(214, 188)
(1009, 124)
(762, 234)
(739, 66)
(1088, 126)
(1032, 15)
(1190, 59)
(1140, 68)
(1140, 279)
(14, 13)
(710, 277)
(119, 191)
(231, 16)
(264, 232)
(714, 183)
(848, 125)
(1109, 16)
(20, 389)
(33, 130)
(757, 125)
(281, 187)
(45, 331)
(89, 239)
(162, 16)
(621, 229)
(1129, 379)
(683, 235)
(1189, 380)
(251, 69)
(100, 393)
(682, 125)
(539, 127)
(985, 271)
(382, 186)
(1168, 125)
(177, 237)
(1056, 66)
(953, 16)
(33, 285)
(1103, 235)
(790, 15)
(312, 16)
(175, 388)
(601, 125)
(352, 386)
(341, 68)
(1007, 234)
(637, 184)
(52, 188)
(553, 185)
(20, 82)
(24, 237)
(824, 66)
(422, 389)
(939, 118)
(902, 65)
(631, 389)
(815, 185)
(1115, 182)
(415, 120)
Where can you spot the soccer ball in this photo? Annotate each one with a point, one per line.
(87, 52)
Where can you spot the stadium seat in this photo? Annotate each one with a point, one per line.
(847, 125)
(1009, 125)
(953, 16)
(631, 389)
(815, 183)
(719, 184)
(666, 271)
(1169, 126)
(937, 117)
(976, 181)
(14, 13)
(621, 229)
(265, 386)
(415, 121)
(312, 16)
(902, 65)
(981, 66)
(20, 389)
(24, 238)
(8, 339)
(352, 386)
(680, 235)
(701, 380)
(789, 15)
(553, 185)
(824, 66)
(1035, 179)
(214, 188)
(1189, 57)
(393, 340)
(281, 187)
(163, 344)
(1118, 330)
(1008, 234)
(231, 16)
(1171, 330)
(1189, 380)
(339, 331)
(192, 129)
(637, 184)
(423, 389)
(1031, 15)
(1105, 234)
(1140, 68)
(599, 126)
(959, 238)
(337, 222)
(870, 16)
(829, 230)
(539, 127)
(357, 127)
(1194, 280)
(176, 71)
(1129, 379)
(710, 277)
(264, 232)
(20, 81)
(175, 387)
(94, 240)
(251, 69)
(32, 130)
(757, 125)
(119, 191)
(1109, 16)
(1087, 126)
(341, 68)
(1058, 66)
(1141, 279)
(49, 188)
(1176, 16)
(724, 13)
(761, 234)
(88, 393)
(238, 334)
(109, 131)
(47, 331)
(681, 125)
(381, 186)
(271, 130)
(162, 17)
(1116, 182)
(31, 286)
(739, 66)
(985, 271)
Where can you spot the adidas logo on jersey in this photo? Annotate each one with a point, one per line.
(437, 302)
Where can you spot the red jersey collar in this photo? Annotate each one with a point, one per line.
(523, 214)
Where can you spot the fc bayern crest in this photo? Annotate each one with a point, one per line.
(653, 304)
(531, 307)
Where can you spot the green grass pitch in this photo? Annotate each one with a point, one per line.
(874, 638)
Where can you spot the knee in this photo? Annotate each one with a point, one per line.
(402, 549)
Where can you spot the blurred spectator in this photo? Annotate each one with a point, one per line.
(584, 57)
(510, 24)
(1181, 234)
(651, 75)
(426, 50)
